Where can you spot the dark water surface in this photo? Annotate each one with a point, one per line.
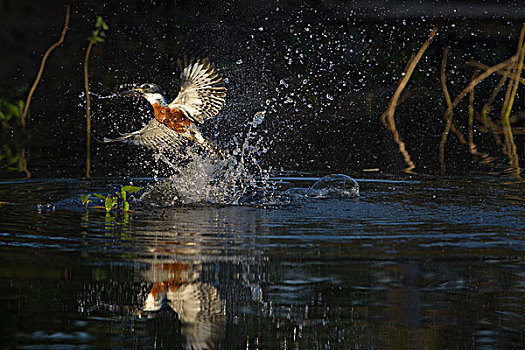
(426, 264)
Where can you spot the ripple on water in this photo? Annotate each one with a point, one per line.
(327, 266)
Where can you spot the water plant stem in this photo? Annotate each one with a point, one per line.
(451, 126)
(448, 113)
(480, 78)
(503, 72)
(444, 77)
(448, 116)
(472, 146)
(507, 108)
(487, 107)
(88, 110)
(23, 164)
(471, 121)
(42, 64)
(387, 118)
(97, 36)
(451, 105)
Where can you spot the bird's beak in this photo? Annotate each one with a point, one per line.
(135, 92)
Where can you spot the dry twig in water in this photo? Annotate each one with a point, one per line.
(88, 110)
(42, 64)
(480, 78)
(448, 113)
(503, 72)
(450, 127)
(451, 105)
(487, 108)
(448, 116)
(97, 36)
(507, 108)
(485, 157)
(387, 118)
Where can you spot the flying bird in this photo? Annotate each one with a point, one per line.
(201, 96)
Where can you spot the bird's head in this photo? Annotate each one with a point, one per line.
(151, 92)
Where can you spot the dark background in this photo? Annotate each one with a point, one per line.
(323, 70)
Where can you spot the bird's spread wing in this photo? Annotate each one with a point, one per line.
(154, 135)
(201, 96)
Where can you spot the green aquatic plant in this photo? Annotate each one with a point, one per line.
(110, 201)
(10, 112)
(85, 199)
(11, 160)
(113, 201)
(97, 36)
(123, 194)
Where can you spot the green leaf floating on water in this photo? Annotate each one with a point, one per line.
(110, 202)
(117, 200)
(131, 189)
(85, 199)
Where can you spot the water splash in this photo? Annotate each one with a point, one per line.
(82, 95)
(334, 186)
(101, 97)
(202, 178)
(237, 180)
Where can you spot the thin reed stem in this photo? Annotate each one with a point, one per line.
(452, 127)
(448, 114)
(23, 164)
(482, 77)
(487, 109)
(387, 118)
(472, 146)
(42, 64)
(88, 110)
(502, 72)
(505, 118)
(444, 78)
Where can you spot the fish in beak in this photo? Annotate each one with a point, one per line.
(136, 92)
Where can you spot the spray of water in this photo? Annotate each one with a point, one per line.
(202, 178)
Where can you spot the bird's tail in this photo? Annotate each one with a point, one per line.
(151, 138)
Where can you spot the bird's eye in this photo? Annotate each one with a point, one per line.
(146, 86)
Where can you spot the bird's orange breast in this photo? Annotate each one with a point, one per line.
(171, 117)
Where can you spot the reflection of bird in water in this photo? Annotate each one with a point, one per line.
(201, 97)
(197, 304)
